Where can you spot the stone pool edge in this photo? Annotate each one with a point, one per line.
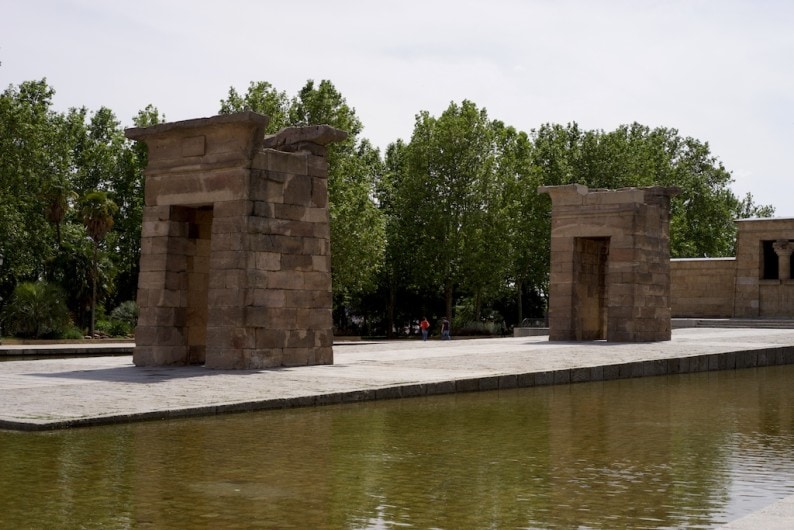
(730, 360)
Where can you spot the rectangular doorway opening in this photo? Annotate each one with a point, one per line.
(590, 287)
(199, 239)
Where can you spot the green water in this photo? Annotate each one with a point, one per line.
(689, 451)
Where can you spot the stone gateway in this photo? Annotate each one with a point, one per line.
(235, 245)
(610, 264)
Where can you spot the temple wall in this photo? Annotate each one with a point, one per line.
(702, 288)
(757, 283)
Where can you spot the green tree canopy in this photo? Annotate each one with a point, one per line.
(450, 218)
(636, 155)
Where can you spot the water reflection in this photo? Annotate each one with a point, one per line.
(689, 451)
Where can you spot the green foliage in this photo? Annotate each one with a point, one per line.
(96, 212)
(446, 202)
(121, 321)
(73, 266)
(37, 310)
(126, 312)
(634, 155)
(31, 151)
(260, 97)
(47, 160)
(114, 328)
(72, 333)
(451, 216)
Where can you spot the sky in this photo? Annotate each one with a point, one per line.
(719, 71)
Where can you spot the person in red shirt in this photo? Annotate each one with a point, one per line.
(425, 326)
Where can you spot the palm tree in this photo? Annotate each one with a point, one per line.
(96, 211)
(58, 198)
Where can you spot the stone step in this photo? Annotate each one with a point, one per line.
(745, 323)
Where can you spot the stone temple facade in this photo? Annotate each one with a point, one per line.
(757, 284)
(610, 264)
(235, 245)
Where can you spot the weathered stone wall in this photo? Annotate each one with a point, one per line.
(235, 249)
(624, 295)
(702, 287)
(755, 284)
(757, 294)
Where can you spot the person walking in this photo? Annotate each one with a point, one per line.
(445, 329)
(425, 326)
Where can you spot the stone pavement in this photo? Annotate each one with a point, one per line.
(59, 393)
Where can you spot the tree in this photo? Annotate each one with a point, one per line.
(58, 198)
(96, 212)
(747, 209)
(451, 198)
(72, 267)
(396, 275)
(263, 98)
(37, 310)
(31, 153)
(527, 221)
(635, 155)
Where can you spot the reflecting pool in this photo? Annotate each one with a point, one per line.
(684, 451)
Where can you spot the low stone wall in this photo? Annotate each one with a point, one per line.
(529, 332)
(702, 287)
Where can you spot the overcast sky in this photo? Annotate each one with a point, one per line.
(720, 71)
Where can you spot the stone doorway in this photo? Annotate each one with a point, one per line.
(590, 288)
(610, 263)
(198, 247)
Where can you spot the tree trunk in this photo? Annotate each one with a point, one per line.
(93, 292)
(448, 300)
(520, 305)
(390, 310)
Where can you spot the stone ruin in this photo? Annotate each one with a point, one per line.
(756, 284)
(235, 268)
(610, 264)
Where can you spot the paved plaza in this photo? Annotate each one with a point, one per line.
(57, 393)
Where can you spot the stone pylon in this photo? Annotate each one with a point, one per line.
(235, 245)
(610, 263)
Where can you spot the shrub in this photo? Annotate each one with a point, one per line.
(37, 310)
(72, 332)
(126, 312)
(113, 328)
